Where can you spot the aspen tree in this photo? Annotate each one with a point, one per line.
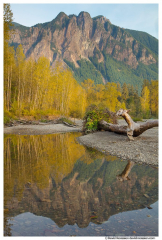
(89, 86)
(111, 96)
(41, 77)
(154, 97)
(77, 103)
(20, 62)
(145, 97)
(30, 83)
(99, 92)
(9, 65)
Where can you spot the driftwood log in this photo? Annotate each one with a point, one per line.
(132, 130)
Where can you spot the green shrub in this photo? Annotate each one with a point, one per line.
(7, 117)
(94, 114)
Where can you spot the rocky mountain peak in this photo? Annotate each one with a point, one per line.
(84, 15)
(71, 38)
(60, 17)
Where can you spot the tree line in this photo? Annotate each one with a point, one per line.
(114, 96)
(33, 88)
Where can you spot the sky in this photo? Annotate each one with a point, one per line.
(140, 16)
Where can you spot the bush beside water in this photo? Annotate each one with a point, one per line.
(96, 113)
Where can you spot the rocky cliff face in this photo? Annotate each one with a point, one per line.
(75, 37)
(109, 51)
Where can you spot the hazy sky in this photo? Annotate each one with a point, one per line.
(142, 17)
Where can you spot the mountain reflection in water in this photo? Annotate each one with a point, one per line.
(55, 177)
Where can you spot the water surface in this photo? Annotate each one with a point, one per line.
(54, 186)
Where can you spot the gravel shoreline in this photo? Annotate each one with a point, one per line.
(144, 149)
(40, 129)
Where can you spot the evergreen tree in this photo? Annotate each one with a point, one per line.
(7, 21)
(8, 56)
(125, 92)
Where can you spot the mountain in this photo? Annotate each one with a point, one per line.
(92, 48)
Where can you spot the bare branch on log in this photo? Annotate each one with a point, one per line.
(132, 130)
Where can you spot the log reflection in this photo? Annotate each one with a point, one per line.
(124, 175)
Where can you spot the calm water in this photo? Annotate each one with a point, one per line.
(55, 187)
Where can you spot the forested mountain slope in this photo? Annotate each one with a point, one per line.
(92, 48)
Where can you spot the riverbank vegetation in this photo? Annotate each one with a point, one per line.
(33, 88)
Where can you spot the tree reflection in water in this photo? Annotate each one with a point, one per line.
(55, 177)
